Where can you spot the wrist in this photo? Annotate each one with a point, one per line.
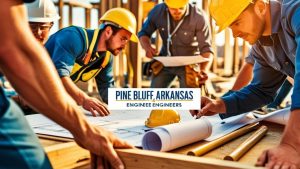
(221, 104)
(291, 134)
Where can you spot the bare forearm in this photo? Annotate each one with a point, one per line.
(77, 94)
(145, 42)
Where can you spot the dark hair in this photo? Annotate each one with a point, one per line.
(114, 28)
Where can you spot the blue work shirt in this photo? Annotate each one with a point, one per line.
(276, 57)
(68, 44)
(193, 36)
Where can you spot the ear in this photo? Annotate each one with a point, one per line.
(108, 32)
(260, 7)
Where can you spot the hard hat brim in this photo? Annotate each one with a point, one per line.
(36, 19)
(134, 38)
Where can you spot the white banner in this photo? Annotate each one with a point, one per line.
(154, 98)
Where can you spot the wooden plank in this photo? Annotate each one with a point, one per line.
(70, 155)
(228, 57)
(67, 155)
(142, 159)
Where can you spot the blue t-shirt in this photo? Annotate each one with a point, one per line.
(68, 44)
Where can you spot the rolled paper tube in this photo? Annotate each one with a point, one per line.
(222, 140)
(247, 144)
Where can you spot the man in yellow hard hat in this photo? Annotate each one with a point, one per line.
(273, 28)
(29, 69)
(81, 54)
(184, 30)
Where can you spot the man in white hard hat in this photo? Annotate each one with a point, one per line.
(185, 31)
(273, 28)
(81, 54)
(29, 69)
(41, 16)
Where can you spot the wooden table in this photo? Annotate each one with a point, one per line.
(64, 154)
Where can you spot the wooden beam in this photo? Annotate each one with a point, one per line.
(82, 4)
(228, 57)
(236, 55)
(137, 159)
(87, 18)
(136, 7)
(70, 14)
(60, 12)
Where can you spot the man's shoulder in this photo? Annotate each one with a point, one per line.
(70, 33)
(158, 9)
(196, 12)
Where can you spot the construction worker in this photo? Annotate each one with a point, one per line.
(185, 31)
(30, 71)
(80, 54)
(41, 18)
(273, 28)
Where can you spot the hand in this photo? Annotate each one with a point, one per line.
(101, 144)
(202, 77)
(150, 52)
(95, 106)
(282, 157)
(209, 107)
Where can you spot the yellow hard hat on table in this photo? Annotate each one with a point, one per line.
(225, 12)
(162, 117)
(176, 3)
(123, 18)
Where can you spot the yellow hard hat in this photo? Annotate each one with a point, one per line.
(162, 117)
(225, 12)
(176, 3)
(122, 17)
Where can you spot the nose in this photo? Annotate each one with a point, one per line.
(39, 31)
(235, 33)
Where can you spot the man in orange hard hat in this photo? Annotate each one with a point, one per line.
(273, 28)
(81, 54)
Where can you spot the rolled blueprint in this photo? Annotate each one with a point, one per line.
(169, 137)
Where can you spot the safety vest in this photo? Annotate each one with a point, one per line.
(87, 67)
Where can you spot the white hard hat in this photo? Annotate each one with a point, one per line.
(42, 11)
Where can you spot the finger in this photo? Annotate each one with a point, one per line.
(194, 112)
(94, 113)
(104, 109)
(204, 110)
(103, 163)
(277, 166)
(99, 111)
(293, 167)
(93, 161)
(262, 160)
(270, 165)
(122, 144)
(286, 166)
(113, 158)
(199, 115)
